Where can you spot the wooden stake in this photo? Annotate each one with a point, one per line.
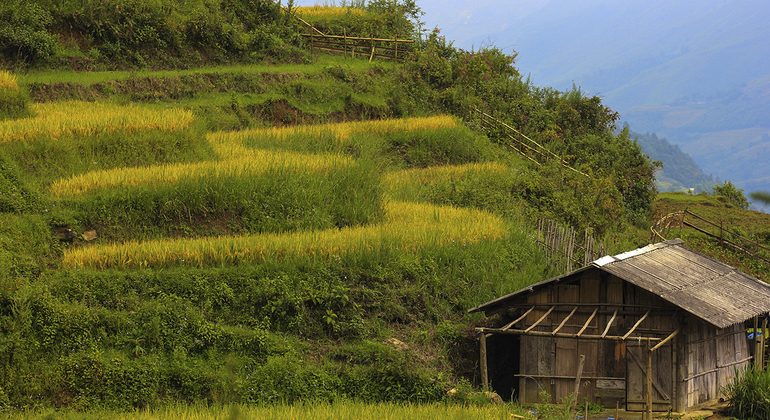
(577, 382)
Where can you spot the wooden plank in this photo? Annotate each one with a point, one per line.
(611, 384)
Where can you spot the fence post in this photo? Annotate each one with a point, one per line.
(395, 49)
(371, 40)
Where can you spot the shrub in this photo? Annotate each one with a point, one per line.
(732, 193)
(23, 31)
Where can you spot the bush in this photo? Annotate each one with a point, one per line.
(23, 31)
(732, 193)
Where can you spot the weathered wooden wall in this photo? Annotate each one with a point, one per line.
(712, 355)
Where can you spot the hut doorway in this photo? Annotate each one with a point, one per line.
(662, 368)
(503, 357)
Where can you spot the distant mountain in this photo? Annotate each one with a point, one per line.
(680, 172)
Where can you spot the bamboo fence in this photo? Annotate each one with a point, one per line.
(562, 244)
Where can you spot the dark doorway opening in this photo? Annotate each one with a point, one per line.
(503, 355)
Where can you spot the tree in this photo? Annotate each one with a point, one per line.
(732, 193)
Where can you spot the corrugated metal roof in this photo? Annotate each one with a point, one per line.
(713, 291)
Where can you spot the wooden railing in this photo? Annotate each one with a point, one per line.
(725, 237)
(389, 49)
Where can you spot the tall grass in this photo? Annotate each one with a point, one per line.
(8, 80)
(345, 410)
(407, 227)
(749, 394)
(92, 118)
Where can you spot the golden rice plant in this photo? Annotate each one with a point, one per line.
(397, 180)
(321, 12)
(250, 163)
(229, 144)
(8, 80)
(407, 227)
(89, 118)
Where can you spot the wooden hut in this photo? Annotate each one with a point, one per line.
(662, 318)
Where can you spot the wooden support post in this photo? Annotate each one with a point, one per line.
(345, 42)
(648, 388)
(483, 361)
(577, 382)
(762, 344)
(757, 349)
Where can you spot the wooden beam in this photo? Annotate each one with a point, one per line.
(666, 340)
(565, 321)
(512, 323)
(566, 335)
(591, 318)
(637, 324)
(540, 320)
(609, 324)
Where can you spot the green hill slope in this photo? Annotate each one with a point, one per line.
(274, 233)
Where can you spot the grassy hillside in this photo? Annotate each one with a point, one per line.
(718, 210)
(264, 232)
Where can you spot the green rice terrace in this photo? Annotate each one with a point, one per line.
(198, 210)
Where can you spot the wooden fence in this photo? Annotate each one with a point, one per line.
(389, 49)
(562, 244)
(725, 237)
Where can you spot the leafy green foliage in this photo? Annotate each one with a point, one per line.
(24, 34)
(732, 193)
